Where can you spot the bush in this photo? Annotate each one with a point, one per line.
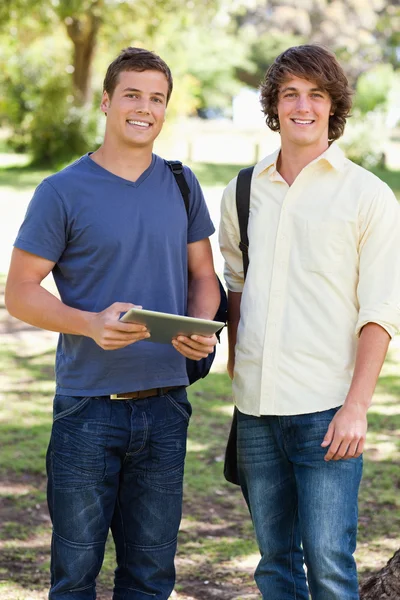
(38, 105)
(365, 138)
(59, 130)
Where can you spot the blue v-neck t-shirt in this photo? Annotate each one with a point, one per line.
(114, 240)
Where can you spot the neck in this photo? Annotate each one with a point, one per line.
(291, 161)
(128, 163)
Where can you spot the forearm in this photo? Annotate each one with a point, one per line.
(203, 297)
(33, 304)
(371, 352)
(234, 300)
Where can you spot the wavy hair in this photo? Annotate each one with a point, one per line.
(314, 63)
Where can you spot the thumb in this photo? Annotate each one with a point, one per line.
(328, 436)
(122, 307)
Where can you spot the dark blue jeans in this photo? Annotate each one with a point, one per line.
(116, 464)
(303, 508)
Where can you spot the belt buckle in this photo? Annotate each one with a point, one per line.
(119, 397)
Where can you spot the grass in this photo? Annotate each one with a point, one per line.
(22, 178)
(216, 543)
(209, 174)
(216, 534)
(392, 178)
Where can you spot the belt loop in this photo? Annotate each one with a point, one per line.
(160, 392)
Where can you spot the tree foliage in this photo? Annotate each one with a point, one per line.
(90, 33)
(55, 53)
(362, 34)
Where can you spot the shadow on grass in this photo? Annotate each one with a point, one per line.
(216, 535)
(22, 177)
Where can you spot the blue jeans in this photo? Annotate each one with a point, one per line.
(303, 508)
(116, 464)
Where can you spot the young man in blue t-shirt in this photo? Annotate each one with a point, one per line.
(113, 229)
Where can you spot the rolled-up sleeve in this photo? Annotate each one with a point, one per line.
(379, 275)
(229, 238)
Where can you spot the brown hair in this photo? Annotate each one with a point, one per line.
(135, 59)
(314, 63)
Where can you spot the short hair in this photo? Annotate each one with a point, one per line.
(135, 59)
(314, 63)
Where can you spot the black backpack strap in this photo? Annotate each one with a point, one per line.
(177, 170)
(243, 189)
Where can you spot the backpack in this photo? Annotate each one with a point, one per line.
(198, 369)
(243, 190)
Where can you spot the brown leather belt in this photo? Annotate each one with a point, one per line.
(142, 393)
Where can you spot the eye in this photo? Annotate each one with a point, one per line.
(156, 99)
(131, 95)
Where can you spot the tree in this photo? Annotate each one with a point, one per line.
(362, 34)
(384, 585)
(49, 93)
(83, 21)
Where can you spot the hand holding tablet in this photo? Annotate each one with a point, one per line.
(163, 327)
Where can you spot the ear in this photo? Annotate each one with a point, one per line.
(105, 103)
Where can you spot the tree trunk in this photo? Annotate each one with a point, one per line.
(384, 585)
(83, 31)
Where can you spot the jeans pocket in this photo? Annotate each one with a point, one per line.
(78, 444)
(179, 401)
(67, 405)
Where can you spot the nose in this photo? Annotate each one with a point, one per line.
(303, 103)
(142, 107)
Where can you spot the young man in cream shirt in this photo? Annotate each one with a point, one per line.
(309, 330)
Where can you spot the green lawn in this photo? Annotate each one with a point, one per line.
(216, 541)
(216, 535)
(208, 174)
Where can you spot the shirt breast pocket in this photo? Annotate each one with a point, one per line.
(324, 246)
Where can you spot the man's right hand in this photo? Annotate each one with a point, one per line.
(111, 334)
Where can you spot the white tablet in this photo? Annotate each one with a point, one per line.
(165, 326)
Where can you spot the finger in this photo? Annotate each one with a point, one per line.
(197, 345)
(329, 435)
(206, 340)
(352, 449)
(333, 448)
(117, 344)
(123, 306)
(120, 338)
(189, 352)
(125, 327)
(341, 452)
(360, 447)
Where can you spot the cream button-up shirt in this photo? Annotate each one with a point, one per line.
(324, 261)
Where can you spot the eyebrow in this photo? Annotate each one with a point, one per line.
(129, 89)
(294, 89)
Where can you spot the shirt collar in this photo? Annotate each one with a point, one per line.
(333, 156)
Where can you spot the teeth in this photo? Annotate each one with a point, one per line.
(140, 123)
(303, 122)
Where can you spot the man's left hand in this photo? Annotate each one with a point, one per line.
(346, 433)
(196, 347)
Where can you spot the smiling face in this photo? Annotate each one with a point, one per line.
(136, 110)
(303, 111)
